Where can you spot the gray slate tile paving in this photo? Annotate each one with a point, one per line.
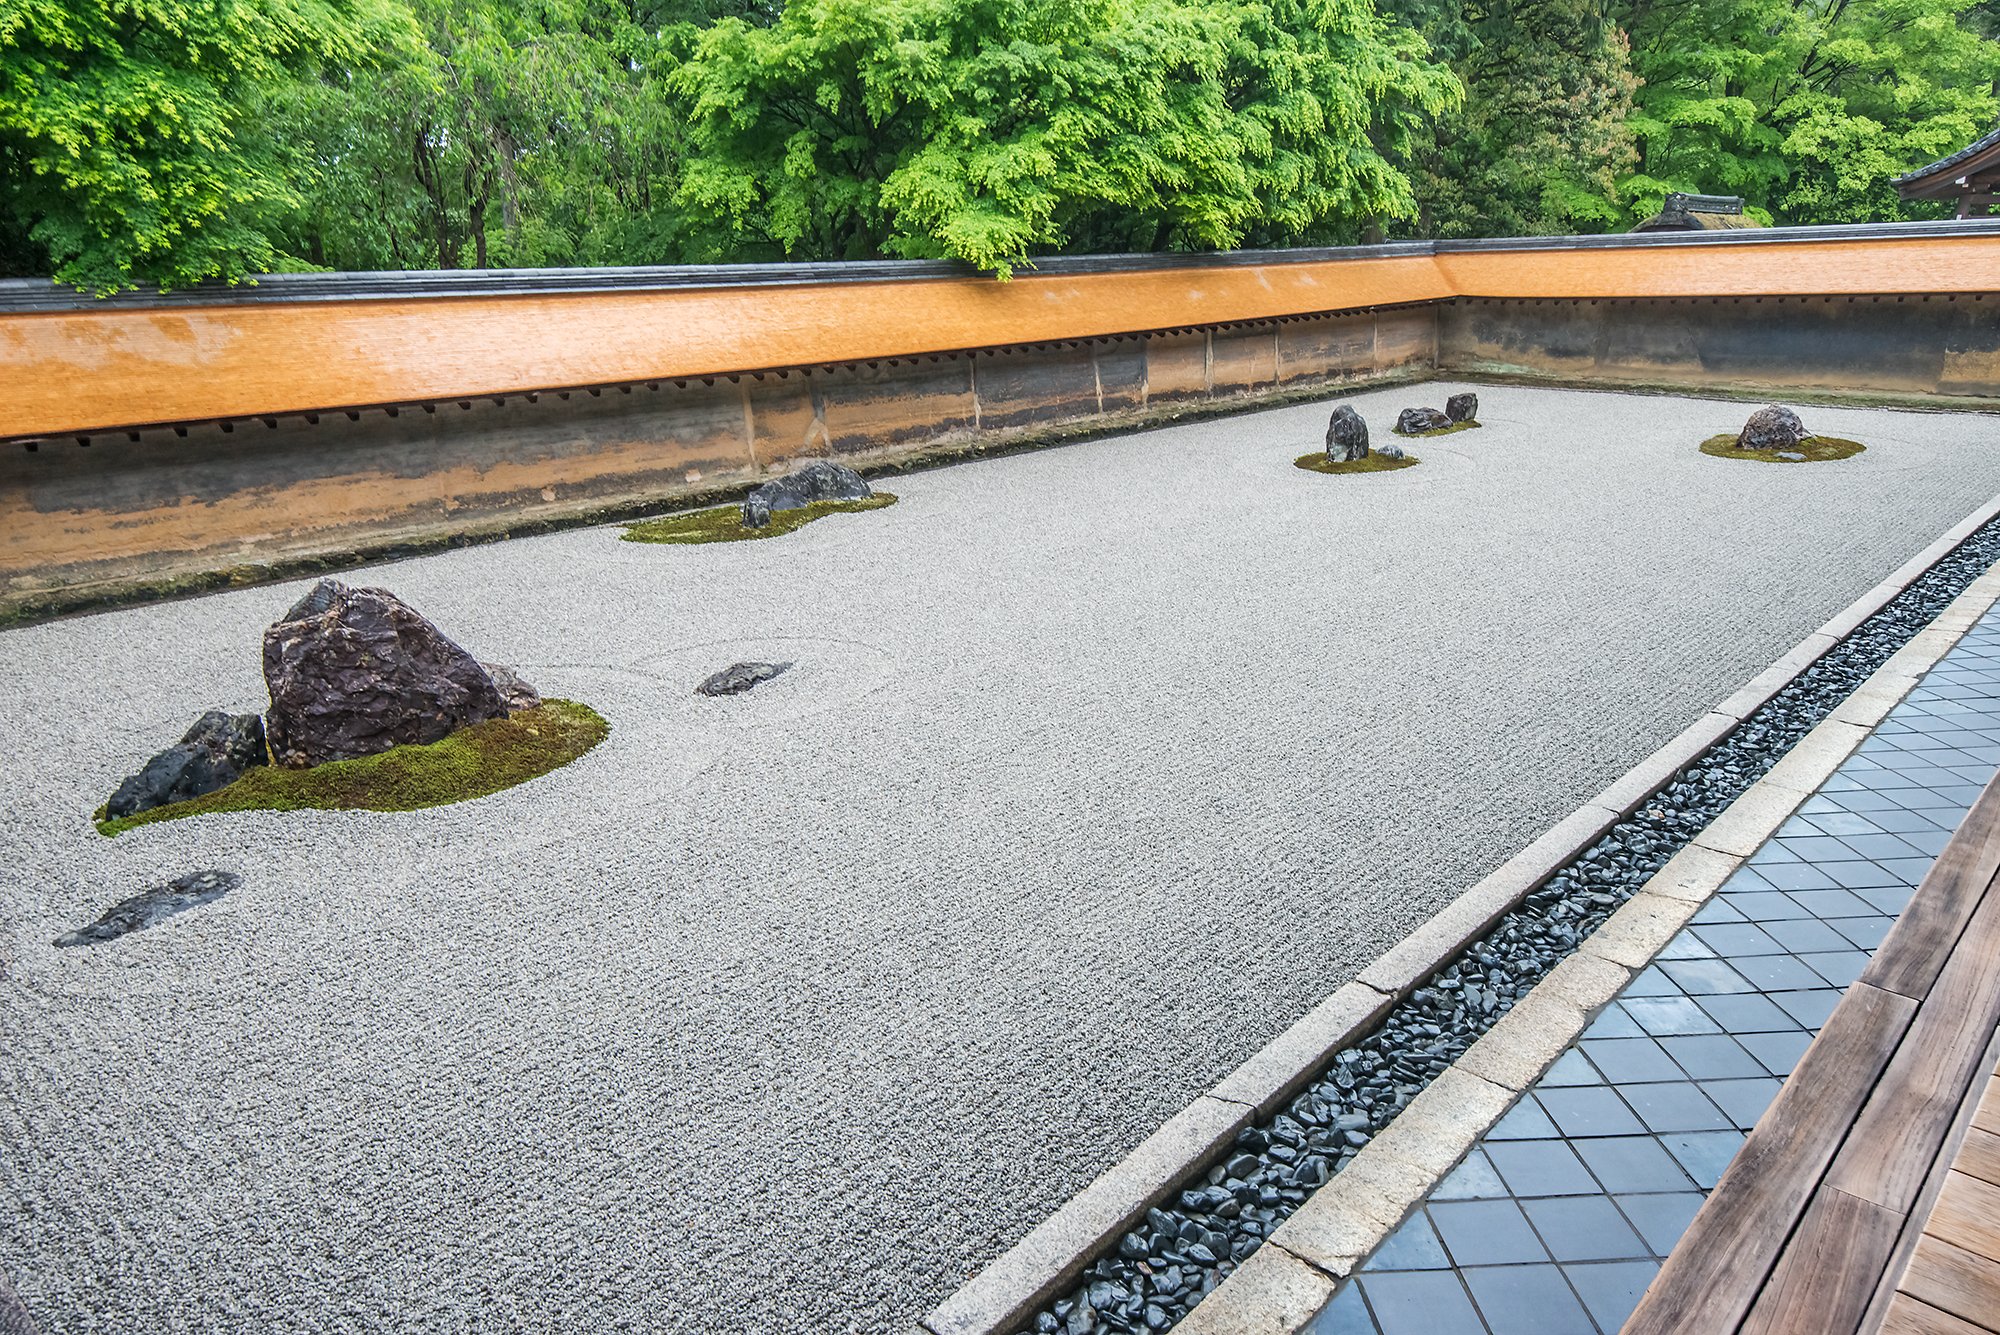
(1561, 1218)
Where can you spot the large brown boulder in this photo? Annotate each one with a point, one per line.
(357, 671)
(1772, 428)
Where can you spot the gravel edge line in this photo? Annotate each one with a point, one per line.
(1010, 1290)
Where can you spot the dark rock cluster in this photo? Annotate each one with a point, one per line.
(1772, 428)
(1346, 436)
(352, 672)
(820, 480)
(1160, 1269)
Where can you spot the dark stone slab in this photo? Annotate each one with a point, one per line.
(820, 480)
(212, 754)
(740, 677)
(152, 906)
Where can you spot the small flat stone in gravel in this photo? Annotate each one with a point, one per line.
(156, 905)
(740, 677)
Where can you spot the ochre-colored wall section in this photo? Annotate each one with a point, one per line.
(80, 371)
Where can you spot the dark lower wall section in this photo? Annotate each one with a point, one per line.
(95, 518)
(1893, 346)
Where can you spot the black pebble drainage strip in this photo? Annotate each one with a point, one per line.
(1160, 1270)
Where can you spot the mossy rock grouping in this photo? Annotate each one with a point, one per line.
(474, 761)
(725, 523)
(1317, 462)
(1811, 450)
(1452, 430)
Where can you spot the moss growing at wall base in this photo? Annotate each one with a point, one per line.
(1317, 462)
(473, 762)
(1811, 450)
(725, 522)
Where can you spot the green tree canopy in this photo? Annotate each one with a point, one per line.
(127, 142)
(984, 130)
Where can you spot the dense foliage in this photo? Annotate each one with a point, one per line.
(162, 141)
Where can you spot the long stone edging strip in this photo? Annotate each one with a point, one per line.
(1569, 883)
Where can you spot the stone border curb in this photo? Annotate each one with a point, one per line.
(1287, 1280)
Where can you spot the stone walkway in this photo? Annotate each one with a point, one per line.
(1559, 1219)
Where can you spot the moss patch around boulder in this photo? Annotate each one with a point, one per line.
(1467, 425)
(1317, 462)
(725, 522)
(1813, 449)
(473, 762)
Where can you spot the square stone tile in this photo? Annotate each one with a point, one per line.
(1743, 1100)
(1662, 1218)
(1419, 1302)
(1482, 1233)
(1685, 946)
(1810, 1009)
(1705, 1154)
(1678, 1106)
(1860, 875)
(1474, 1178)
(1844, 823)
(1777, 973)
(1651, 982)
(1585, 1228)
(1838, 967)
(1805, 936)
(1830, 903)
(1819, 848)
(1347, 1314)
(1414, 1246)
(1765, 906)
(1524, 1121)
(1527, 1300)
(1631, 1059)
(1889, 899)
(1540, 1168)
(1865, 933)
(1703, 977)
(1747, 1013)
(1614, 1022)
(1660, 1016)
(1610, 1289)
(1779, 1053)
(1732, 940)
(1877, 846)
(1718, 909)
(1913, 870)
(1633, 1164)
(1573, 1068)
(1594, 1111)
(1796, 876)
(1713, 1057)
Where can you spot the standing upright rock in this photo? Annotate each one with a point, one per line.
(820, 480)
(212, 754)
(1772, 428)
(1346, 436)
(1462, 407)
(357, 671)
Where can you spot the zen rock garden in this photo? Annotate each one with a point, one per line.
(1348, 449)
(1776, 435)
(819, 488)
(364, 691)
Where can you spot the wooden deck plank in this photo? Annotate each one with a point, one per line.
(1968, 1215)
(1980, 1156)
(1921, 1099)
(1914, 953)
(1988, 1116)
(1710, 1281)
(1829, 1270)
(1907, 1316)
(1954, 1280)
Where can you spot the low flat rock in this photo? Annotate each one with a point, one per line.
(212, 754)
(152, 906)
(740, 677)
(820, 480)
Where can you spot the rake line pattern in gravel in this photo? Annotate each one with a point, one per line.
(1162, 1268)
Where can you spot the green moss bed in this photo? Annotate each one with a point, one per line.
(472, 762)
(1317, 462)
(724, 523)
(1467, 425)
(1816, 449)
